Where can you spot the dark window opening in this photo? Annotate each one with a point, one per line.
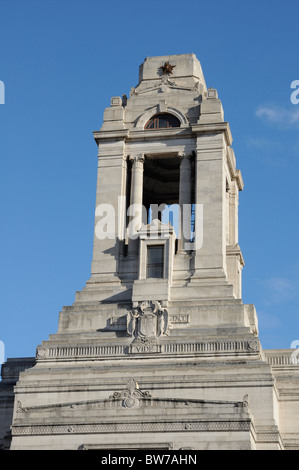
(155, 261)
(162, 121)
(161, 186)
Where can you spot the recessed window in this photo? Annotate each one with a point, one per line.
(162, 121)
(155, 261)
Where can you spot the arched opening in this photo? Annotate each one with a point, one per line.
(162, 121)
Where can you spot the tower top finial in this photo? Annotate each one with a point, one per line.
(167, 68)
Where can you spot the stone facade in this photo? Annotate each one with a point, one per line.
(158, 350)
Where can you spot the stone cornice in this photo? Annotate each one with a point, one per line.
(235, 250)
(282, 358)
(225, 348)
(239, 180)
(214, 127)
(235, 174)
(120, 134)
(139, 135)
(146, 134)
(175, 132)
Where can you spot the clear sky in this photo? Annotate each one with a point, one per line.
(61, 61)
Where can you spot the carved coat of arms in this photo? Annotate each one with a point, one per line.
(148, 321)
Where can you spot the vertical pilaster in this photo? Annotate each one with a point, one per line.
(210, 260)
(108, 219)
(234, 258)
(233, 213)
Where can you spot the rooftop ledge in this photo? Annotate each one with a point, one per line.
(136, 133)
(282, 357)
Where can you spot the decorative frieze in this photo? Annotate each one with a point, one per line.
(80, 351)
(280, 357)
(149, 345)
(144, 348)
(136, 427)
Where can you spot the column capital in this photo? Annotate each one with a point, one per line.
(137, 158)
(184, 156)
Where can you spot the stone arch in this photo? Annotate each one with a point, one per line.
(144, 118)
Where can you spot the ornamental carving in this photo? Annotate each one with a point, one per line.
(142, 427)
(253, 345)
(131, 395)
(147, 322)
(243, 403)
(167, 68)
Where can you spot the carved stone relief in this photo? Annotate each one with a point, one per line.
(147, 322)
(131, 395)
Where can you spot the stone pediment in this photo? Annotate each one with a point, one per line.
(130, 398)
(155, 227)
(165, 86)
(132, 410)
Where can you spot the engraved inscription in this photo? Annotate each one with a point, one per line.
(180, 318)
(144, 348)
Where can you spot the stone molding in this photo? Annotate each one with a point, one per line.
(283, 357)
(128, 446)
(142, 120)
(137, 427)
(123, 399)
(198, 348)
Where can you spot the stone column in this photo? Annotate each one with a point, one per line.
(136, 197)
(185, 200)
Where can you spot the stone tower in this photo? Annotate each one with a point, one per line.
(158, 350)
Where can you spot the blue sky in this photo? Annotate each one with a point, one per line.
(61, 61)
